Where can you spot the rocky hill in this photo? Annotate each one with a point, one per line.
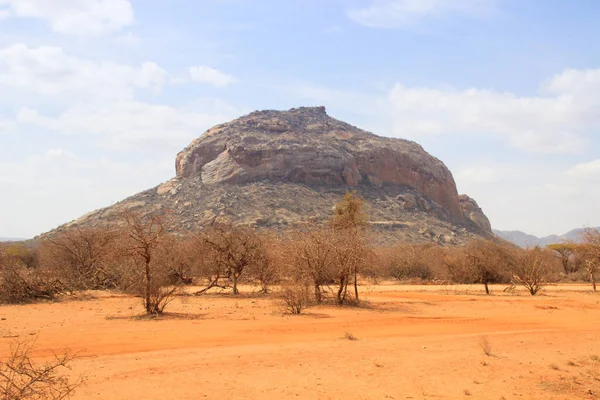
(279, 169)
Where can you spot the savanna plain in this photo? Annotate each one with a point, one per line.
(404, 342)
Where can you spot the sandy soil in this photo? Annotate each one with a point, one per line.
(411, 342)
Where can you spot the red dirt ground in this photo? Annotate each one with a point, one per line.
(413, 342)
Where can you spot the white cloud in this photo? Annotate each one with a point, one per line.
(476, 175)
(71, 185)
(127, 124)
(7, 126)
(48, 71)
(554, 123)
(129, 39)
(394, 14)
(589, 170)
(211, 76)
(4, 14)
(77, 17)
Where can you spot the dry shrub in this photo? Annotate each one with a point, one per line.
(22, 379)
(83, 258)
(144, 240)
(480, 261)
(296, 297)
(589, 253)
(531, 269)
(21, 284)
(266, 268)
(229, 251)
(409, 262)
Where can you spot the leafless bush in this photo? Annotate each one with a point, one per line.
(22, 379)
(266, 268)
(590, 254)
(531, 270)
(143, 239)
(20, 284)
(481, 261)
(83, 258)
(295, 297)
(229, 251)
(408, 262)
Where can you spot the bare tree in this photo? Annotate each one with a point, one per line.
(591, 254)
(349, 222)
(143, 237)
(22, 379)
(313, 257)
(531, 270)
(265, 268)
(232, 250)
(565, 252)
(481, 261)
(81, 257)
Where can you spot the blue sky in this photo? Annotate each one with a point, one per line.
(98, 96)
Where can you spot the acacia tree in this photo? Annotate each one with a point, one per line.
(313, 258)
(232, 249)
(486, 262)
(565, 252)
(143, 237)
(591, 254)
(349, 223)
(531, 270)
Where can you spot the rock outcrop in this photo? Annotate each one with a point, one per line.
(306, 146)
(277, 169)
(474, 213)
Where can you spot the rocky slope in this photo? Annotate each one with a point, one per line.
(278, 169)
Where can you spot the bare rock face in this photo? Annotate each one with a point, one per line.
(474, 213)
(305, 145)
(276, 170)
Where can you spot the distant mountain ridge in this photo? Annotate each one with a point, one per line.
(2, 239)
(525, 240)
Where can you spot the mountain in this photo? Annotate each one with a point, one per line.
(278, 169)
(2, 239)
(525, 240)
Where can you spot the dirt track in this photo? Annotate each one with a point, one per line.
(412, 343)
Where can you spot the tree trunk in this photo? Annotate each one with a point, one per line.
(356, 285)
(566, 266)
(234, 277)
(593, 279)
(340, 298)
(317, 293)
(487, 289)
(148, 288)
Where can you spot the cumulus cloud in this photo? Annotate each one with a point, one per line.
(211, 76)
(49, 71)
(553, 122)
(127, 124)
(75, 17)
(585, 171)
(393, 14)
